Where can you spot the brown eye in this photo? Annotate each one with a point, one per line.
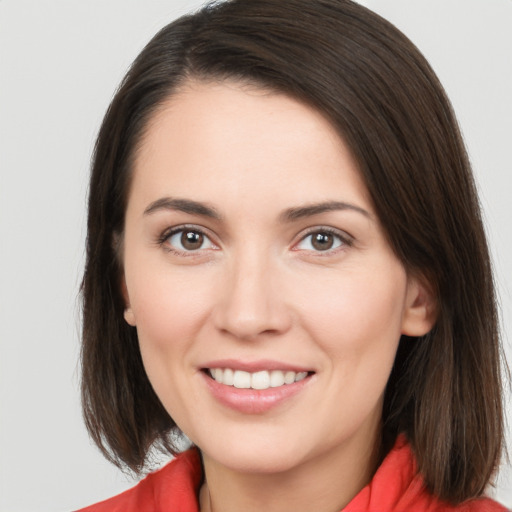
(188, 240)
(322, 241)
(192, 240)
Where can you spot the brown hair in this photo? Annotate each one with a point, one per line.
(375, 87)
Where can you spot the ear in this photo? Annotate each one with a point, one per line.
(117, 246)
(129, 316)
(420, 312)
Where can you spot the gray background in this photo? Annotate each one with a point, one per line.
(60, 61)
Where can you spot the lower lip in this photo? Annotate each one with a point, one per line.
(254, 401)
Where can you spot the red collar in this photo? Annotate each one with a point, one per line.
(395, 487)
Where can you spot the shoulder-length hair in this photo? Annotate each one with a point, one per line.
(381, 95)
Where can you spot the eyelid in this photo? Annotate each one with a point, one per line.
(173, 230)
(346, 239)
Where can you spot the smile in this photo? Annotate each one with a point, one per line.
(258, 388)
(258, 380)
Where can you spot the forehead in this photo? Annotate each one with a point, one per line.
(237, 141)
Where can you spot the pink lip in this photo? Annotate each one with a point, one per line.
(255, 366)
(253, 401)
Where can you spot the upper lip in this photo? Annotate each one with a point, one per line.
(255, 366)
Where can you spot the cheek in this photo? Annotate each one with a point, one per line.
(169, 305)
(168, 308)
(360, 313)
(358, 327)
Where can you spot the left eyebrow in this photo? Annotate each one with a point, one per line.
(292, 214)
(183, 205)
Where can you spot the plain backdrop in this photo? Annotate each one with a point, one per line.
(60, 62)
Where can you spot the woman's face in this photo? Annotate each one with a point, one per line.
(267, 301)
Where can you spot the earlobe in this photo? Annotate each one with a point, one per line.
(128, 311)
(420, 313)
(129, 316)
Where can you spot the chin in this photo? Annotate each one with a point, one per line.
(261, 464)
(263, 457)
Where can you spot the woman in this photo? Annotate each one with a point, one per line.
(286, 263)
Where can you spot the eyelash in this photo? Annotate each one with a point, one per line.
(164, 239)
(344, 239)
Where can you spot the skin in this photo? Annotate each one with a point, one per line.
(258, 289)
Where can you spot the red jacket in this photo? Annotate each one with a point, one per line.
(396, 487)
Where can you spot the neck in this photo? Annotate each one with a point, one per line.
(327, 483)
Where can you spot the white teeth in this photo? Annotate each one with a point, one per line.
(228, 377)
(276, 379)
(241, 379)
(300, 376)
(258, 380)
(289, 377)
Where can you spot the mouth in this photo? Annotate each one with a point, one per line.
(255, 387)
(260, 380)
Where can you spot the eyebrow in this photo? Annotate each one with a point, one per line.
(292, 214)
(289, 215)
(183, 205)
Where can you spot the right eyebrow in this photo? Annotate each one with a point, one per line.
(309, 210)
(183, 205)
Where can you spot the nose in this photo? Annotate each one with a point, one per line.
(252, 303)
